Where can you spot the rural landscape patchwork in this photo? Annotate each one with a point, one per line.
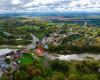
(49, 40)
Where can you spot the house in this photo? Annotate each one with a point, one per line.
(54, 39)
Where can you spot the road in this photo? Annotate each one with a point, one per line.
(30, 46)
(33, 44)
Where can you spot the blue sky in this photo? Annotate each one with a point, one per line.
(49, 5)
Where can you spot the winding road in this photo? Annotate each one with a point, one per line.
(33, 44)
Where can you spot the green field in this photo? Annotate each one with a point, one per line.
(26, 59)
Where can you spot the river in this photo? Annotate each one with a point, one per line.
(82, 56)
(70, 57)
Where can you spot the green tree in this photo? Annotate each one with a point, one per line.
(57, 76)
(5, 77)
(74, 77)
(21, 75)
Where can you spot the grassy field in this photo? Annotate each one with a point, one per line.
(26, 59)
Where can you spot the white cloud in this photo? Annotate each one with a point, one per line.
(15, 2)
(49, 5)
(37, 2)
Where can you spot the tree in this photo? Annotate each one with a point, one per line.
(74, 77)
(59, 66)
(5, 77)
(21, 75)
(8, 61)
(90, 77)
(35, 72)
(57, 76)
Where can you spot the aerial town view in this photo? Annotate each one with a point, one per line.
(49, 40)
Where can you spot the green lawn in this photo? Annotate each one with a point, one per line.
(26, 59)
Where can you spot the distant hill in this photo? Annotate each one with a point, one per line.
(69, 17)
(45, 14)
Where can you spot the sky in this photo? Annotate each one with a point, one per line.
(49, 5)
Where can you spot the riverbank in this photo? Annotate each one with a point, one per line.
(79, 57)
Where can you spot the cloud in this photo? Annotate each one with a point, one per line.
(43, 2)
(15, 2)
(48, 5)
